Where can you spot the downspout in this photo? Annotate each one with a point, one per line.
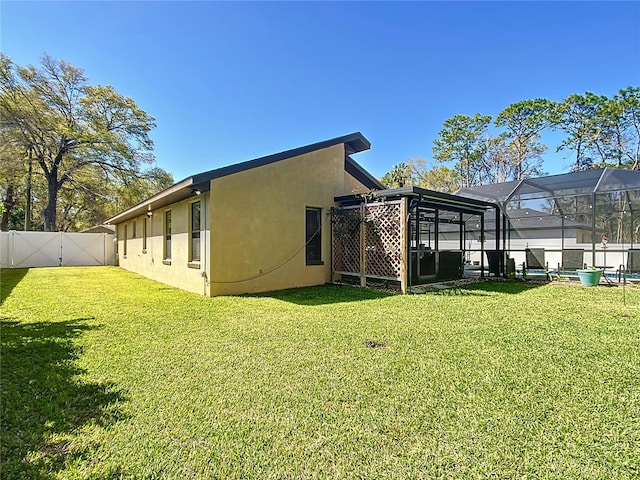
(203, 247)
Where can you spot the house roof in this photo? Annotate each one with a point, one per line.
(353, 143)
(443, 200)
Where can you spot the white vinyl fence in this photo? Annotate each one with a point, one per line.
(53, 249)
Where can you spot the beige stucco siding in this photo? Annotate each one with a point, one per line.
(258, 223)
(152, 263)
(253, 229)
(351, 185)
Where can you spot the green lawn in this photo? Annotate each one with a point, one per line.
(108, 375)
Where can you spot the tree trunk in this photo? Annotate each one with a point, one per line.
(8, 202)
(52, 202)
(27, 208)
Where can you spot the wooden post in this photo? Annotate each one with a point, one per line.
(363, 247)
(404, 246)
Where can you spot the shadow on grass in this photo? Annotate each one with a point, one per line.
(42, 396)
(509, 287)
(325, 295)
(9, 278)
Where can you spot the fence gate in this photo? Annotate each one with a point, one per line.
(53, 249)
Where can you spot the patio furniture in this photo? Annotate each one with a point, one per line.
(572, 260)
(633, 260)
(633, 264)
(535, 261)
(495, 259)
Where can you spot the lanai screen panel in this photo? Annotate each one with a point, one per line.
(572, 208)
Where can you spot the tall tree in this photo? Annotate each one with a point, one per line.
(401, 175)
(524, 121)
(462, 141)
(579, 116)
(439, 178)
(621, 124)
(72, 128)
(498, 162)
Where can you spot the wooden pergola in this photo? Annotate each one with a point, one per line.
(398, 235)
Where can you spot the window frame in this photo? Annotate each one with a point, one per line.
(195, 234)
(166, 238)
(313, 242)
(124, 242)
(144, 234)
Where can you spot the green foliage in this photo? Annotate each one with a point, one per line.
(127, 378)
(601, 131)
(83, 140)
(401, 175)
(578, 116)
(461, 141)
(415, 171)
(524, 121)
(439, 178)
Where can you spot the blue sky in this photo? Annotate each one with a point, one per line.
(231, 81)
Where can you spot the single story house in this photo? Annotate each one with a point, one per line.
(256, 226)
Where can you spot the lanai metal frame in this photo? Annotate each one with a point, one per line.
(384, 235)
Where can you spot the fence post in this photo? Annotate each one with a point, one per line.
(403, 246)
(363, 247)
(13, 246)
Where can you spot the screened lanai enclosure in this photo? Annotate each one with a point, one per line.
(569, 221)
(413, 236)
(558, 224)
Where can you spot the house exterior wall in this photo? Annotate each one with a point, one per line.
(258, 222)
(351, 185)
(151, 263)
(253, 234)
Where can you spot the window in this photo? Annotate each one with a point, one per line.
(133, 229)
(124, 243)
(144, 235)
(194, 253)
(167, 236)
(314, 236)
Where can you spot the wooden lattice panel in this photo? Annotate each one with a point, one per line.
(346, 240)
(382, 240)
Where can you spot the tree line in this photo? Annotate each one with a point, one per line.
(597, 130)
(71, 154)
